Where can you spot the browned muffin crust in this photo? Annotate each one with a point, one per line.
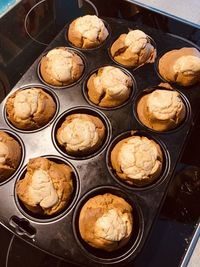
(97, 207)
(73, 68)
(123, 54)
(104, 95)
(141, 159)
(60, 176)
(78, 40)
(169, 60)
(81, 140)
(45, 108)
(10, 155)
(147, 117)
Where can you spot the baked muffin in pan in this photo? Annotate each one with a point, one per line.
(181, 66)
(61, 66)
(137, 160)
(47, 186)
(133, 49)
(30, 109)
(161, 110)
(10, 155)
(106, 222)
(109, 87)
(81, 134)
(87, 32)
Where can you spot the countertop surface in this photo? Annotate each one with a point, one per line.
(187, 11)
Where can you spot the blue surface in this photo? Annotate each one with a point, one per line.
(5, 4)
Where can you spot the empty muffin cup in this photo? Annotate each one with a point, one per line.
(31, 108)
(61, 67)
(11, 154)
(161, 109)
(109, 87)
(137, 160)
(47, 188)
(87, 32)
(81, 132)
(108, 225)
(133, 49)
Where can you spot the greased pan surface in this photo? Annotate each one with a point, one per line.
(59, 235)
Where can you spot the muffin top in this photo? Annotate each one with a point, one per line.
(133, 49)
(164, 104)
(181, 66)
(137, 40)
(30, 108)
(10, 155)
(87, 32)
(61, 66)
(109, 87)
(106, 222)
(46, 187)
(81, 133)
(137, 160)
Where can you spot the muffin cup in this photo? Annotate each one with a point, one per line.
(48, 218)
(156, 63)
(82, 110)
(120, 254)
(133, 89)
(165, 163)
(48, 91)
(89, 49)
(153, 43)
(21, 143)
(150, 90)
(80, 54)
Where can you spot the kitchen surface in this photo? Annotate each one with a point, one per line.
(178, 219)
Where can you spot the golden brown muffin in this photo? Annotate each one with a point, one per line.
(161, 110)
(106, 222)
(30, 109)
(137, 160)
(181, 66)
(133, 49)
(47, 186)
(81, 134)
(61, 66)
(109, 87)
(10, 155)
(87, 32)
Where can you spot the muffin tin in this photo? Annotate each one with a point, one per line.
(59, 235)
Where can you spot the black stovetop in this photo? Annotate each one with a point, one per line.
(176, 222)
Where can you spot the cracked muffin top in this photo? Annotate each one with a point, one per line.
(87, 32)
(106, 222)
(133, 49)
(30, 109)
